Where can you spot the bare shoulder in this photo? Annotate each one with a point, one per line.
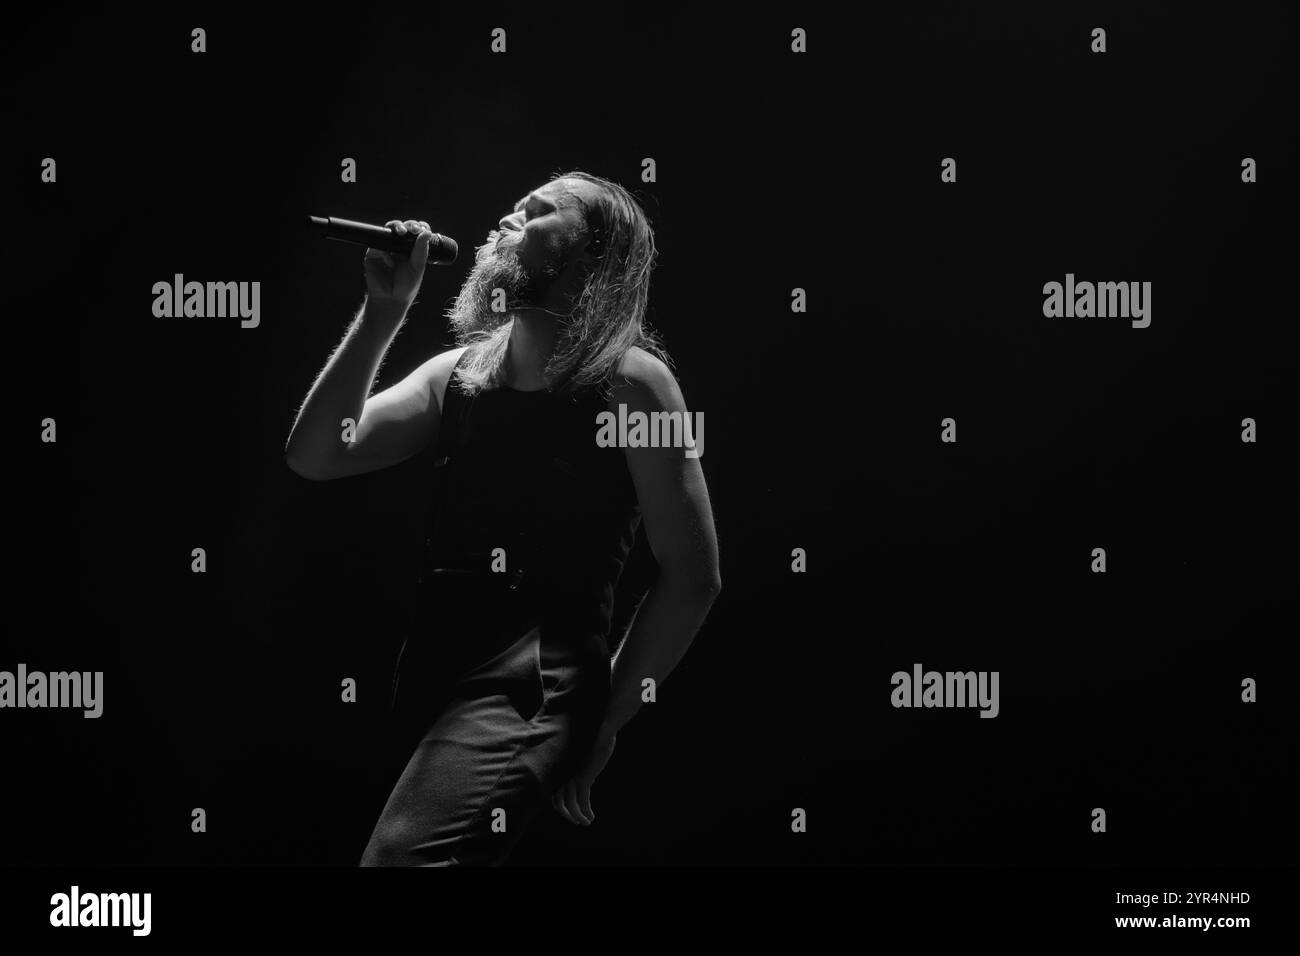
(437, 372)
(644, 379)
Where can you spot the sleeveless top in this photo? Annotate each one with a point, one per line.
(521, 471)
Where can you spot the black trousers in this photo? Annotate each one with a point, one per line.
(492, 745)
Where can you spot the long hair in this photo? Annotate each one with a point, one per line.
(608, 316)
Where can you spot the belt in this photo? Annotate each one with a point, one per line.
(473, 565)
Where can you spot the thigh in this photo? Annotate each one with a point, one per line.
(487, 764)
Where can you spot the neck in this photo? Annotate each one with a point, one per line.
(532, 340)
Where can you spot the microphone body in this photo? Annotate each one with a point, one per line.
(442, 249)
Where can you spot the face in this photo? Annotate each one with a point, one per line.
(543, 227)
(532, 255)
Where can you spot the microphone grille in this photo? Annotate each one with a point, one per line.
(446, 248)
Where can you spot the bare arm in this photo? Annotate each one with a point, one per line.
(679, 526)
(394, 424)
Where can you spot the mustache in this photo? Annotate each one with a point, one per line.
(498, 252)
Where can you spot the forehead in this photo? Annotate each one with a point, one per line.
(565, 193)
(577, 189)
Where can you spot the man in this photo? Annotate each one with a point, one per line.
(509, 686)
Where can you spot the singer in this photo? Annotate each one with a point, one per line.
(506, 693)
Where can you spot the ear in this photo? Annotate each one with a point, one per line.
(595, 248)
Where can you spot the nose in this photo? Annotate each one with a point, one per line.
(509, 223)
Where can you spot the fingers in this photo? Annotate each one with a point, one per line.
(557, 801)
(571, 802)
(565, 801)
(419, 251)
(583, 789)
(403, 226)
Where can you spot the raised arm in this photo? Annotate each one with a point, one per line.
(394, 424)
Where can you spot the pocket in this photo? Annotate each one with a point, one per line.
(527, 692)
(537, 678)
(515, 673)
(574, 681)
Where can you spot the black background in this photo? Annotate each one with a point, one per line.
(775, 171)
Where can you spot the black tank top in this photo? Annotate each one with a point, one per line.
(521, 471)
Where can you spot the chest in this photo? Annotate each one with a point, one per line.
(533, 450)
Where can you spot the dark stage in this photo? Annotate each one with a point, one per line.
(774, 171)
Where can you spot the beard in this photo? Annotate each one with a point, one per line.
(499, 266)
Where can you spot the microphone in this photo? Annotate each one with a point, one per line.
(442, 249)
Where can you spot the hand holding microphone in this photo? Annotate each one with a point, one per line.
(393, 276)
(396, 255)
